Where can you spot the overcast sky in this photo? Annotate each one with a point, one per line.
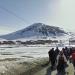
(18, 14)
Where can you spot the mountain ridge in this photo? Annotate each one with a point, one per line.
(35, 30)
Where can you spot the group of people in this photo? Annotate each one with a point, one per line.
(59, 58)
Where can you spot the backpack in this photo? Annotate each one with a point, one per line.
(61, 60)
(61, 63)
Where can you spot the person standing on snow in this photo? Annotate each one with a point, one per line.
(73, 57)
(61, 61)
(51, 54)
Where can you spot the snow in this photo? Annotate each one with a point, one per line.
(29, 52)
(1, 39)
(24, 51)
(16, 60)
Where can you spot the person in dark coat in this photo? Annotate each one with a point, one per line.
(52, 57)
(56, 52)
(66, 52)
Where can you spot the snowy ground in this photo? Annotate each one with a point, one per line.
(31, 51)
(19, 60)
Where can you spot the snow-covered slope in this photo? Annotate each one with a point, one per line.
(37, 30)
(1, 39)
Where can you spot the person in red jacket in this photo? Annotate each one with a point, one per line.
(73, 57)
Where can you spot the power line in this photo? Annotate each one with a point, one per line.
(10, 12)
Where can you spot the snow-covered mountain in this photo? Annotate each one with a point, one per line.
(37, 30)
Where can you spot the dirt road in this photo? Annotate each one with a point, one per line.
(47, 71)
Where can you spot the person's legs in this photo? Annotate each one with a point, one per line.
(52, 64)
(61, 68)
(74, 64)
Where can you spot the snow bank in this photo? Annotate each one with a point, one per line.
(16, 66)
